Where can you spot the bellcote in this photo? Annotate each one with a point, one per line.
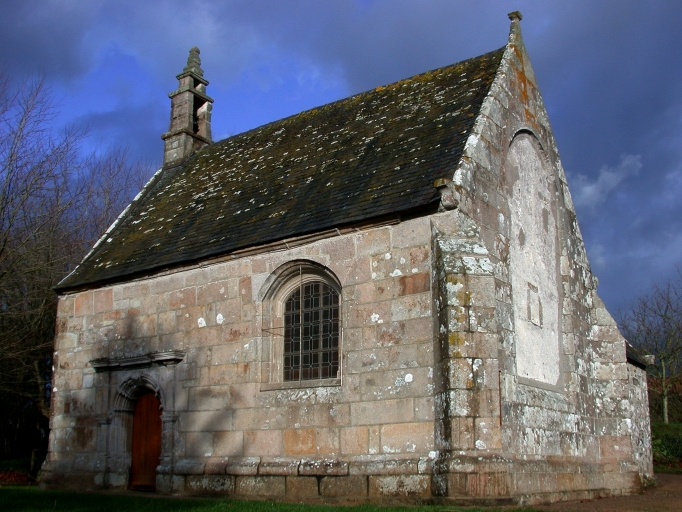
(190, 123)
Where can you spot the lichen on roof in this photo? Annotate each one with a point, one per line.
(367, 156)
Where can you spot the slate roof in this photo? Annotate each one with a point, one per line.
(367, 156)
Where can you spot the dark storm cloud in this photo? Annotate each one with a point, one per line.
(114, 129)
(39, 36)
(610, 73)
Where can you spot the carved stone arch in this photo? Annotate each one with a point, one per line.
(530, 133)
(534, 256)
(289, 270)
(273, 294)
(130, 390)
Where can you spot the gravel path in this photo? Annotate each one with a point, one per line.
(664, 497)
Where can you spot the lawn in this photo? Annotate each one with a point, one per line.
(32, 499)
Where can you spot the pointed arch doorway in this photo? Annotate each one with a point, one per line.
(146, 442)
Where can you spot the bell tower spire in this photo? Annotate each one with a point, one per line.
(190, 124)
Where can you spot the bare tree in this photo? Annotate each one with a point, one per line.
(654, 325)
(54, 203)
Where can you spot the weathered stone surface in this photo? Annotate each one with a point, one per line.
(323, 467)
(400, 485)
(189, 467)
(302, 486)
(343, 486)
(476, 358)
(278, 466)
(210, 484)
(261, 485)
(242, 466)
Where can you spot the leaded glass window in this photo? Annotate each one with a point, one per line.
(311, 333)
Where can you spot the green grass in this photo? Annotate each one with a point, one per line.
(32, 499)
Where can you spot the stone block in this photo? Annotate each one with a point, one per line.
(264, 443)
(180, 299)
(339, 486)
(103, 300)
(278, 466)
(407, 438)
(411, 233)
(165, 322)
(318, 415)
(373, 241)
(131, 291)
(213, 292)
(199, 444)
(209, 398)
(244, 290)
(242, 466)
(327, 441)
(384, 465)
(300, 441)
(168, 484)
(84, 304)
(354, 440)
(215, 465)
(461, 374)
(65, 306)
(382, 412)
(487, 433)
(411, 306)
(189, 467)
(167, 283)
(301, 486)
(261, 486)
(210, 484)
(370, 314)
(566, 482)
(187, 319)
(400, 485)
(414, 283)
(463, 433)
(259, 418)
(615, 447)
(229, 444)
(424, 408)
(338, 248)
(228, 374)
(489, 484)
(457, 484)
(243, 396)
(363, 293)
(321, 467)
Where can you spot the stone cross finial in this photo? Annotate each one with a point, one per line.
(194, 62)
(515, 16)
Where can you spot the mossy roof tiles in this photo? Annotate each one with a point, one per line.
(367, 156)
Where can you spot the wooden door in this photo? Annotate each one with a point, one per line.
(146, 443)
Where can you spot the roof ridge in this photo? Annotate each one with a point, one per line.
(358, 95)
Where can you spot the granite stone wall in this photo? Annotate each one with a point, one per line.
(226, 426)
(478, 363)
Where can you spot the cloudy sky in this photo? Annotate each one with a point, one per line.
(610, 72)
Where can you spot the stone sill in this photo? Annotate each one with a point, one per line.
(318, 383)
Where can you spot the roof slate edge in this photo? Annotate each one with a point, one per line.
(271, 245)
(146, 189)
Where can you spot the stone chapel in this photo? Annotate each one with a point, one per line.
(386, 296)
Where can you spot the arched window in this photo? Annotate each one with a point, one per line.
(311, 332)
(301, 326)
